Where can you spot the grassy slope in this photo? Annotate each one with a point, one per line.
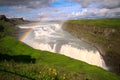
(7, 28)
(111, 22)
(12, 47)
(19, 61)
(102, 33)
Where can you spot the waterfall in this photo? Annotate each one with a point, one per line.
(49, 36)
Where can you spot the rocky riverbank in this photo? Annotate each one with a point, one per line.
(103, 34)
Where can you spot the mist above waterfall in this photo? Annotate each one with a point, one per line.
(49, 36)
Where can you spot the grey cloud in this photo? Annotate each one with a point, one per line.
(27, 3)
(39, 3)
(111, 4)
(102, 3)
(100, 13)
(86, 3)
(13, 2)
(114, 12)
(42, 3)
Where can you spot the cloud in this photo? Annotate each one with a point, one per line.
(111, 4)
(98, 9)
(96, 13)
(42, 3)
(86, 3)
(101, 3)
(27, 3)
(60, 9)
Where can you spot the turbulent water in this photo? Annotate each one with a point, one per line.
(50, 36)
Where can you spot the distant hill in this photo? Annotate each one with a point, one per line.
(7, 25)
(13, 20)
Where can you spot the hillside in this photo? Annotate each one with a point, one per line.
(7, 26)
(19, 61)
(103, 34)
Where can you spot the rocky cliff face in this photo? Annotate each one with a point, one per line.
(106, 39)
(3, 17)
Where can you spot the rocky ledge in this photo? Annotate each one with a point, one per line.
(104, 36)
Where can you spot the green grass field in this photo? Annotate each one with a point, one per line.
(111, 22)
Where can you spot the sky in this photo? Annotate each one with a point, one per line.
(60, 9)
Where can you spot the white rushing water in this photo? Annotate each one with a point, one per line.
(50, 36)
